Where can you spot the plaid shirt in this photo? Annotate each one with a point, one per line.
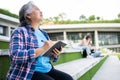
(23, 43)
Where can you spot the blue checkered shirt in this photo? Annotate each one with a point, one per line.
(23, 43)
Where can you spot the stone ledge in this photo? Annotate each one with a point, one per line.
(4, 52)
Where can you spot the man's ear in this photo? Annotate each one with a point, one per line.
(28, 16)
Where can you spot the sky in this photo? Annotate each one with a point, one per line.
(106, 9)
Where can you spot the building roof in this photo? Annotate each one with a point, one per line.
(88, 25)
(5, 17)
(82, 27)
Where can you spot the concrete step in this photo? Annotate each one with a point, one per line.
(78, 67)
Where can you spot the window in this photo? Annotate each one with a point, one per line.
(109, 38)
(2, 30)
(76, 37)
(56, 36)
(11, 30)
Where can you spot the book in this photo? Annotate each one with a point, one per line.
(58, 45)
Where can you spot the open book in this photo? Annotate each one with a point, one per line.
(58, 45)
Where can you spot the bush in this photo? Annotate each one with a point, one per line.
(6, 12)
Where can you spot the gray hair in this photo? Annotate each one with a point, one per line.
(26, 9)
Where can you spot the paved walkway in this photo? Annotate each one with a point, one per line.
(110, 70)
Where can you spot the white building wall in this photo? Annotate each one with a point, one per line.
(8, 24)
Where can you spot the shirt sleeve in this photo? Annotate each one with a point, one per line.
(18, 52)
(55, 59)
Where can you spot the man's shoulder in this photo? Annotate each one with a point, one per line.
(20, 30)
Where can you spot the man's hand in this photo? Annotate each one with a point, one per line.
(57, 52)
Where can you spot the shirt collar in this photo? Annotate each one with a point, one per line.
(30, 27)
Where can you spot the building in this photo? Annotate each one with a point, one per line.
(7, 24)
(106, 35)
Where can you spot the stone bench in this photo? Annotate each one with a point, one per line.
(78, 67)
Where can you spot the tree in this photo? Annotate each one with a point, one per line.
(82, 17)
(119, 16)
(92, 17)
(56, 19)
(51, 19)
(98, 18)
(62, 16)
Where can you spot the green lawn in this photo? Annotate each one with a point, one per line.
(4, 45)
(65, 57)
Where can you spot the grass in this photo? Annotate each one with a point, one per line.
(4, 66)
(66, 57)
(4, 45)
(89, 74)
